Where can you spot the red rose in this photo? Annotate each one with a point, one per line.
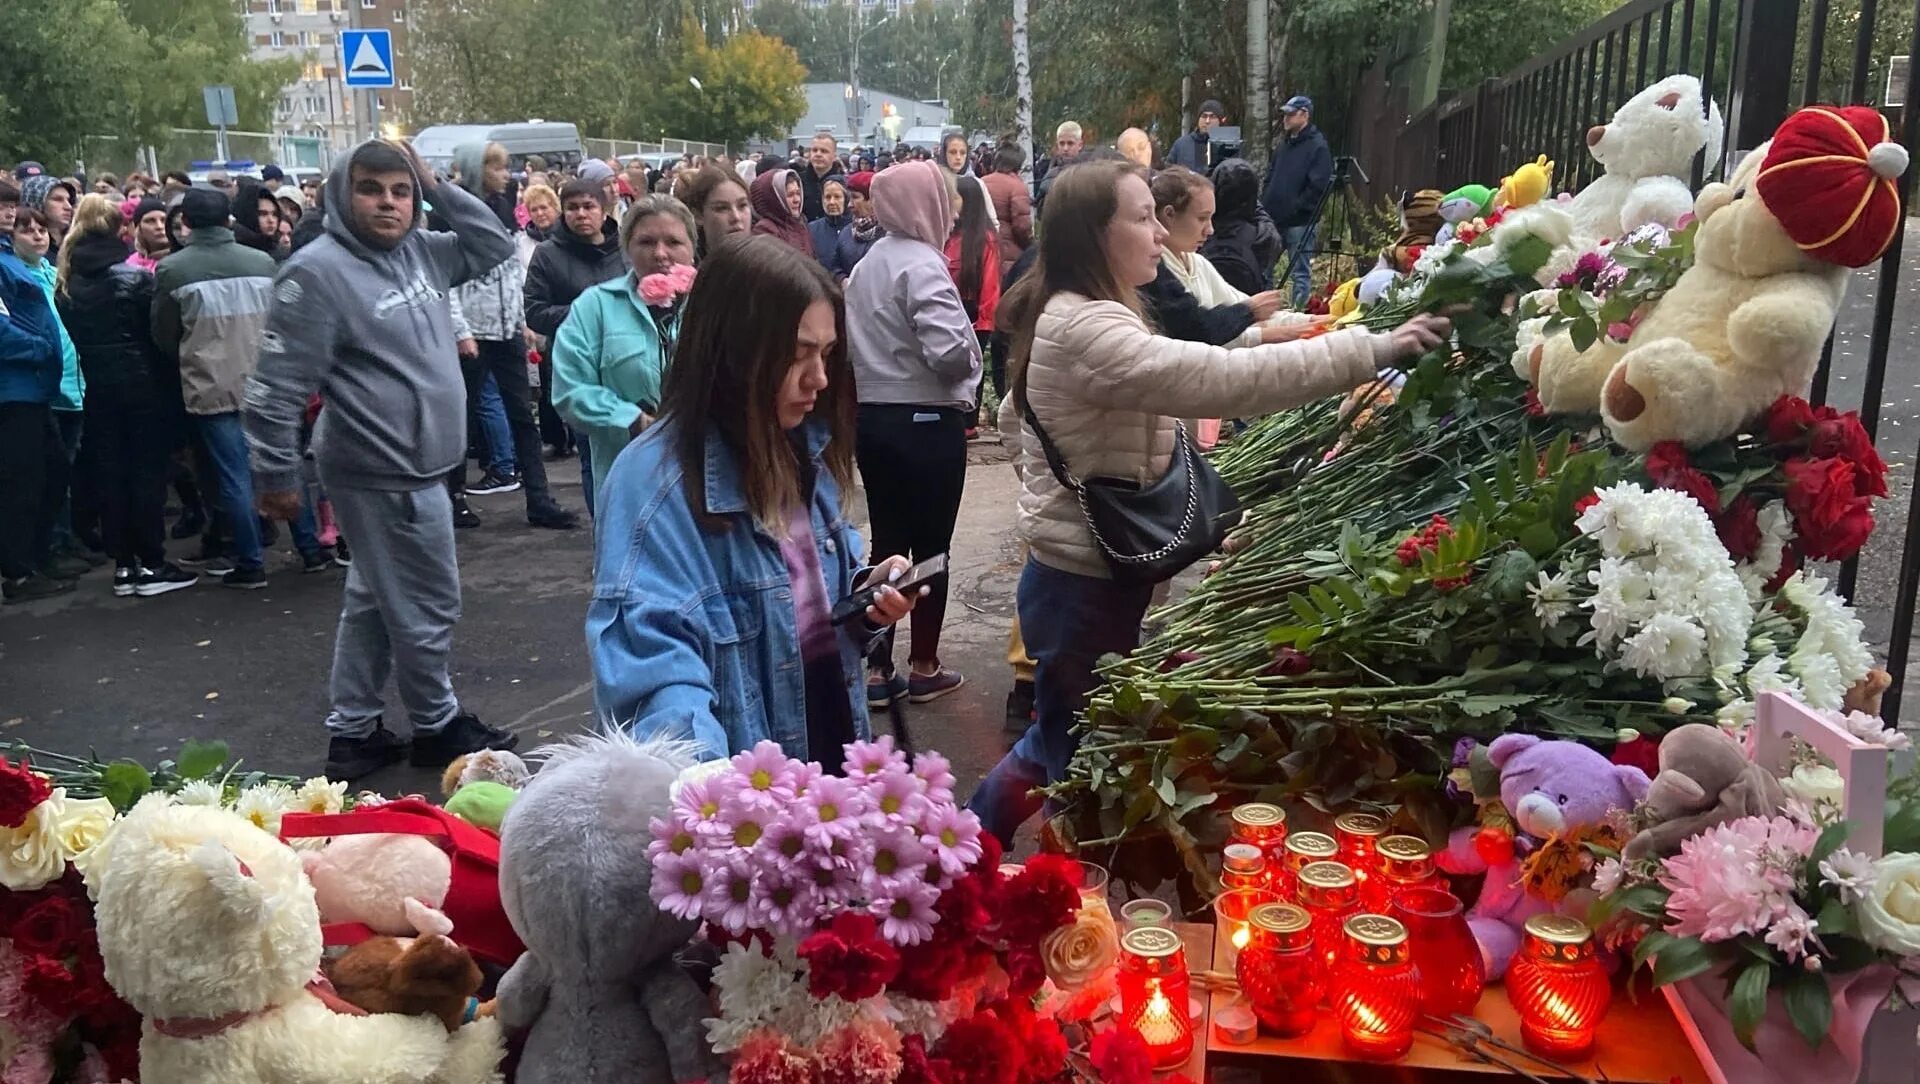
(1842, 538)
(1287, 662)
(1788, 419)
(20, 791)
(1666, 458)
(50, 927)
(1819, 492)
(981, 1050)
(1121, 1056)
(1845, 437)
(49, 984)
(1739, 528)
(1580, 506)
(849, 958)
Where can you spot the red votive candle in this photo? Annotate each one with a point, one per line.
(1279, 971)
(1558, 987)
(1446, 959)
(1154, 992)
(1359, 835)
(1330, 894)
(1404, 862)
(1301, 849)
(1263, 826)
(1374, 995)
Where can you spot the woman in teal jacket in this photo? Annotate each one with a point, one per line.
(611, 352)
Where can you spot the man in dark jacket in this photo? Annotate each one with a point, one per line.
(1297, 182)
(582, 254)
(361, 317)
(823, 163)
(33, 461)
(1195, 150)
(1244, 245)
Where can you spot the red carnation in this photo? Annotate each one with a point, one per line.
(20, 791)
(1667, 457)
(1788, 419)
(930, 970)
(849, 958)
(1739, 528)
(918, 1068)
(1040, 899)
(1043, 1048)
(1580, 506)
(981, 1050)
(963, 907)
(1026, 972)
(50, 927)
(1669, 468)
(1121, 1056)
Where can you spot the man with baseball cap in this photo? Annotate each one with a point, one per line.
(1195, 150)
(1297, 181)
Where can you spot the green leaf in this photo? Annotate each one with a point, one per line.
(1830, 840)
(1809, 1005)
(1483, 498)
(1485, 704)
(1649, 945)
(1584, 333)
(1682, 959)
(1314, 737)
(1127, 700)
(1303, 611)
(1168, 793)
(1539, 539)
(1748, 1002)
(1322, 598)
(1504, 480)
(1355, 603)
(1835, 917)
(1508, 575)
(123, 783)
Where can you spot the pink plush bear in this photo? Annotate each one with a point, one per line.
(1550, 788)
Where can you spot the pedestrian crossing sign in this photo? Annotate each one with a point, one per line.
(369, 57)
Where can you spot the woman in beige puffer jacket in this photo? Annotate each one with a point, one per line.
(1107, 389)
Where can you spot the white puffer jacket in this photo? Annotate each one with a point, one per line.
(1108, 389)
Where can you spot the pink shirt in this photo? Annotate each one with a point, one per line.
(812, 615)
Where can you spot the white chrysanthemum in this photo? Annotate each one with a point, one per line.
(1552, 597)
(1735, 714)
(318, 795)
(263, 805)
(1667, 646)
(202, 792)
(1821, 685)
(1433, 258)
(752, 989)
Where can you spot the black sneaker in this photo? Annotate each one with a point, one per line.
(168, 577)
(245, 579)
(463, 734)
(317, 561)
(29, 588)
(463, 514)
(190, 523)
(210, 559)
(341, 555)
(552, 517)
(493, 482)
(349, 759)
(124, 578)
(59, 566)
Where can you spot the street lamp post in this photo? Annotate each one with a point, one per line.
(859, 109)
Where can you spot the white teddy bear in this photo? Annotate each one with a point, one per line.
(209, 928)
(1647, 150)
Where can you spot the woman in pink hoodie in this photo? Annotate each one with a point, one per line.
(916, 363)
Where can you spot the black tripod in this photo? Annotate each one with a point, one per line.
(1341, 236)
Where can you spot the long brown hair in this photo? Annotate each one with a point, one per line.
(1073, 256)
(736, 345)
(95, 214)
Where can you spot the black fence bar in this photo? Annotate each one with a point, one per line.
(1686, 37)
(1620, 77)
(1863, 51)
(1640, 66)
(1816, 52)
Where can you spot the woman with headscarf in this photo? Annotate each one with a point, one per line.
(772, 216)
(917, 364)
(860, 233)
(826, 229)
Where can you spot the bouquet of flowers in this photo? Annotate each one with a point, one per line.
(1776, 902)
(1610, 289)
(59, 1019)
(871, 934)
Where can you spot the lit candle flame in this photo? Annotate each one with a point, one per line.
(1241, 934)
(1157, 1023)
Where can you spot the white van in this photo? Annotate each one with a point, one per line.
(556, 142)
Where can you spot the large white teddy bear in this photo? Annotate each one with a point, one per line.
(208, 927)
(1744, 325)
(1647, 150)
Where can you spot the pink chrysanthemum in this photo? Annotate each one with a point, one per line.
(953, 835)
(762, 777)
(784, 845)
(680, 885)
(670, 837)
(872, 757)
(784, 902)
(897, 854)
(897, 797)
(1738, 878)
(729, 894)
(906, 912)
(1792, 933)
(698, 810)
(937, 773)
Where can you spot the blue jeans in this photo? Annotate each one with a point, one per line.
(305, 527)
(1068, 621)
(226, 445)
(496, 439)
(1299, 262)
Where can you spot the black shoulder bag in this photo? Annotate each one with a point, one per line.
(1149, 534)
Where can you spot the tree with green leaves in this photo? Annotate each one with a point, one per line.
(747, 85)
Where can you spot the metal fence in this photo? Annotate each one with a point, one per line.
(626, 148)
(117, 154)
(1759, 59)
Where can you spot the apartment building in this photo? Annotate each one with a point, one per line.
(319, 105)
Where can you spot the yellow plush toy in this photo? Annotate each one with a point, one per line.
(1527, 185)
(1744, 325)
(1342, 302)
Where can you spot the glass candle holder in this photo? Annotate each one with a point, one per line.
(1301, 849)
(1374, 994)
(1446, 959)
(1359, 835)
(1139, 914)
(1282, 976)
(1404, 862)
(1093, 888)
(1558, 987)
(1330, 894)
(1233, 913)
(1154, 990)
(1261, 825)
(1243, 866)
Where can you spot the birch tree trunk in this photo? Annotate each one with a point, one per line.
(1254, 144)
(1022, 90)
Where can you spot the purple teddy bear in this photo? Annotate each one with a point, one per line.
(1550, 788)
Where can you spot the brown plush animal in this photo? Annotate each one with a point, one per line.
(1419, 221)
(1705, 780)
(1865, 694)
(412, 976)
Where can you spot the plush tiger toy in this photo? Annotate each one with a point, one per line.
(1419, 221)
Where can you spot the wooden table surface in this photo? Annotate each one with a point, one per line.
(1640, 1042)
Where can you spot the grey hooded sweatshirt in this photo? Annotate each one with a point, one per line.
(371, 332)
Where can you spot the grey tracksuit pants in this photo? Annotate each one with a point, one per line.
(402, 600)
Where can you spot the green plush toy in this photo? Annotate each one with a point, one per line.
(483, 804)
(1463, 204)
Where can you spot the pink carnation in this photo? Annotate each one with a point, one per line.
(1738, 878)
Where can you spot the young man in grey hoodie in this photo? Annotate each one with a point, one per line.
(361, 316)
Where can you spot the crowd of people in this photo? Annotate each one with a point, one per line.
(760, 331)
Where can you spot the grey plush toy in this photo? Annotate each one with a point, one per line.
(598, 986)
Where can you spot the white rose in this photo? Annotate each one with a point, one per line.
(1816, 785)
(83, 824)
(1890, 911)
(32, 856)
(1076, 954)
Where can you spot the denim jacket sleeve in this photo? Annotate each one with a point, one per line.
(649, 677)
